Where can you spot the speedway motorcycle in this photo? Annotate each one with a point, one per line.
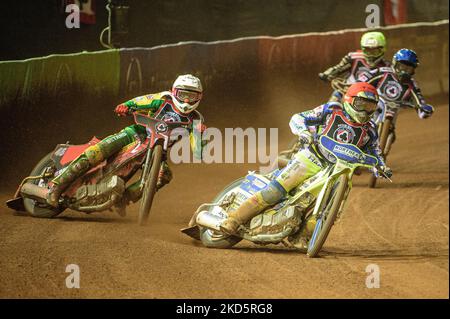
(301, 220)
(104, 186)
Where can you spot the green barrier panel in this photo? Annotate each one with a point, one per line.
(95, 72)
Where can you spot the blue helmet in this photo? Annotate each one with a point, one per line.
(406, 56)
(404, 63)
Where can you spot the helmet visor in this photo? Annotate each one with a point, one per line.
(187, 96)
(404, 68)
(362, 104)
(373, 52)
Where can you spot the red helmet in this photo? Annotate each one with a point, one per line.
(360, 101)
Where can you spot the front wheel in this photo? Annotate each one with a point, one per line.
(150, 185)
(331, 203)
(385, 129)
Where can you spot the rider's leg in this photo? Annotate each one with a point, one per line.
(304, 165)
(91, 157)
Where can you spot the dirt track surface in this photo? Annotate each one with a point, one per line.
(401, 227)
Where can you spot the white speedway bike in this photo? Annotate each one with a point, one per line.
(289, 221)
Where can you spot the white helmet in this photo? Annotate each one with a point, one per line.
(187, 92)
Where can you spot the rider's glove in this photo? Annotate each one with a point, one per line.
(425, 110)
(386, 171)
(306, 138)
(121, 109)
(324, 77)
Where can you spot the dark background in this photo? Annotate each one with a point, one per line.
(36, 28)
(237, 94)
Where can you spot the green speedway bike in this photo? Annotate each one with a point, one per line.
(301, 220)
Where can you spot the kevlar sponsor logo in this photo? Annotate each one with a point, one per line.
(314, 159)
(346, 151)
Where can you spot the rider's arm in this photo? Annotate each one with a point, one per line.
(423, 109)
(373, 146)
(196, 130)
(309, 120)
(150, 102)
(334, 71)
(417, 93)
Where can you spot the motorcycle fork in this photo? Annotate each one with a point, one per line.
(326, 189)
(344, 200)
(146, 169)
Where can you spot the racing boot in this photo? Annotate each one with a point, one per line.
(60, 183)
(164, 176)
(248, 209)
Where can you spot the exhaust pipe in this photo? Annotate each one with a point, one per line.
(208, 220)
(35, 192)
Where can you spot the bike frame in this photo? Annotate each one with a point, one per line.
(318, 185)
(158, 132)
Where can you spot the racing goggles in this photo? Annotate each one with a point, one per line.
(364, 105)
(403, 68)
(187, 96)
(373, 52)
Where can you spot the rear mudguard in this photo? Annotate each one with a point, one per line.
(64, 154)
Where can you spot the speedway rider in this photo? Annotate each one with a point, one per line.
(395, 84)
(347, 123)
(178, 105)
(355, 64)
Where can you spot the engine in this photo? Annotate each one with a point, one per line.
(101, 196)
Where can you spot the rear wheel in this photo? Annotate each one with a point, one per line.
(385, 129)
(150, 185)
(35, 208)
(213, 239)
(331, 205)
